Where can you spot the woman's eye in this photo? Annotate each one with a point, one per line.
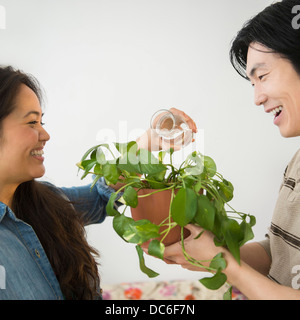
(36, 122)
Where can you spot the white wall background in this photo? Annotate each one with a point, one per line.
(110, 64)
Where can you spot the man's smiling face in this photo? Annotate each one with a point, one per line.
(276, 87)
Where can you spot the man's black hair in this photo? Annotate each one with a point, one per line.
(274, 28)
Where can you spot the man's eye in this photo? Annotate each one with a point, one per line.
(262, 76)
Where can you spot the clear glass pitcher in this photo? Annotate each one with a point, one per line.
(172, 128)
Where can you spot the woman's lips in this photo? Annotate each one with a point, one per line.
(37, 154)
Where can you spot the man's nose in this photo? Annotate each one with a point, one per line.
(260, 97)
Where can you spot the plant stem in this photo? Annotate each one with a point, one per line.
(123, 187)
(191, 260)
(234, 211)
(170, 226)
(219, 175)
(162, 223)
(159, 190)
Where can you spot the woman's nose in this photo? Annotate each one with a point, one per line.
(44, 135)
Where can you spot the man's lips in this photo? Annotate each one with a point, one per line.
(275, 111)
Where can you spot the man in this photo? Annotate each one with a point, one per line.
(267, 52)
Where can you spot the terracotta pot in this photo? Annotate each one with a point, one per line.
(155, 208)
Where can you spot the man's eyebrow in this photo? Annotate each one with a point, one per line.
(255, 67)
(33, 112)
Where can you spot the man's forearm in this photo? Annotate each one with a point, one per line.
(256, 286)
(256, 257)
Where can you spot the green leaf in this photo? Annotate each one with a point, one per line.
(140, 231)
(148, 163)
(217, 228)
(87, 166)
(121, 223)
(127, 147)
(233, 235)
(95, 181)
(161, 156)
(156, 185)
(198, 186)
(110, 210)
(210, 166)
(219, 243)
(226, 190)
(188, 181)
(131, 197)
(100, 156)
(252, 221)
(111, 173)
(156, 249)
(205, 215)
(129, 162)
(135, 181)
(93, 155)
(89, 151)
(158, 176)
(218, 262)
(195, 164)
(228, 294)
(150, 273)
(247, 232)
(98, 169)
(215, 282)
(184, 206)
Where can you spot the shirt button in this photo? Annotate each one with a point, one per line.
(37, 253)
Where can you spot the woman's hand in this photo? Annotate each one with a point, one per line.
(151, 141)
(202, 248)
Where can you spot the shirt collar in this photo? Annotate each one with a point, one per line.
(4, 209)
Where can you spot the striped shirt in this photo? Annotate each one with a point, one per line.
(283, 239)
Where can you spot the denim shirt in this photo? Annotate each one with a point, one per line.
(25, 271)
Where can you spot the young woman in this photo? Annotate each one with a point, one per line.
(266, 52)
(43, 250)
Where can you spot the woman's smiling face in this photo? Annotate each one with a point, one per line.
(22, 139)
(276, 87)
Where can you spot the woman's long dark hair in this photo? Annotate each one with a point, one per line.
(58, 226)
(273, 28)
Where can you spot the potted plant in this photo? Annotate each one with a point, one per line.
(193, 193)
